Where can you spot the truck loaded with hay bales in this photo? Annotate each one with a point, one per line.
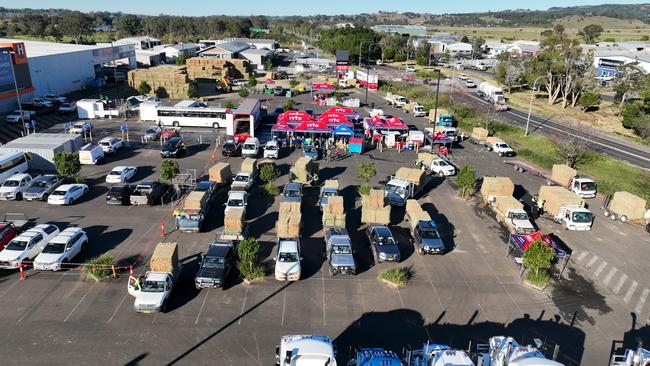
(373, 208)
(566, 208)
(434, 164)
(405, 184)
(235, 227)
(287, 229)
(195, 209)
(561, 175)
(246, 177)
(329, 189)
(497, 193)
(220, 174)
(626, 207)
(305, 171)
(425, 236)
(153, 290)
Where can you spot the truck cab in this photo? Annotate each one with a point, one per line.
(153, 290)
(191, 220)
(375, 357)
(419, 111)
(287, 262)
(503, 350)
(502, 148)
(575, 217)
(446, 120)
(399, 190)
(243, 181)
(292, 192)
(236, 199)
(520, 221)
(438, 355)
(295, 350)
(426, 237)
(325, 193)
(215, 265)
(338, 247)
(583, 187)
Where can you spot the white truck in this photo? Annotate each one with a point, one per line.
(417, 109)
(565, 207)
(243, 181)
(499, 146)
(561, 175)
(433, 164)
(510, 212)
(287, 261)
(315, 350)
(502, 351)
(153, 290)
(395, 100)
(493, 94)
(236, 199)
(405, 184)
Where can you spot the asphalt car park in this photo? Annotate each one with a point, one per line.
(472, 292)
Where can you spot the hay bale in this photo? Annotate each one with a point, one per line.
(194, 200)
(289, 208)
(554, 197)
(415, 216)
(562, 174)
(376, 198)
(426, 158)
(233, 222)
(496, 186)
(164, 258)
(220, 173)
(480, 133)
(375, 215)
(331, 183)
(334, 205)
(491, 140)
(625, 203)
(410, 174)
(249, 165)
(288, 225)
(504, 203)
(333, 220)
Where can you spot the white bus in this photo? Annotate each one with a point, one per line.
(12, 163)
(192, 116)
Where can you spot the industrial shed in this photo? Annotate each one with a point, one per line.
(42, 147)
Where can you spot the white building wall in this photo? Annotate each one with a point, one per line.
(62, 73)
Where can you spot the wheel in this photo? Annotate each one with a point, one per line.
(215, 125)
(330, 271)
(163, 307)
(84, 246)
(19, 196)
(441, 174)
(623, 218)
(175, 124)
(66, 202)
(64, 263)
(613, 217)
(501, 154)
(421, 251)
(606, 213)
(24, 262)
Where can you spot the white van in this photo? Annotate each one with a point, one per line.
(90, 154)
(272, 149)
(251, 147)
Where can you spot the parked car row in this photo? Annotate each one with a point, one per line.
(47, 187)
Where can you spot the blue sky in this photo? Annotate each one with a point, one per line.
(295, 7)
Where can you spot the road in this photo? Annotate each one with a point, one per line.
(630, 152)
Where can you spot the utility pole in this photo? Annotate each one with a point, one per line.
(20, 106)
(435, 112)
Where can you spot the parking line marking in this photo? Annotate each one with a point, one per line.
(284, 305)
(401, 301)
(243, 304)
(117, 308)
(322, 276)
(610, 275)
(620, 283)
(630, 292)
(600, 268)
(591, 262)
(79, 303)
(582, 256)
(363, 303)
(639, 305)
(202, 305)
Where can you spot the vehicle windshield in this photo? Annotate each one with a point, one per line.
(519, 216)
(236, 203)
(143, 190)
(241, 178)
(582, 217)
(11, 183)
(39, 184)
(229, 145)
(288, 257)
(271, 147)
(341, 249)
(291, 193)
(115, 172)
(151, 131)
(385, 240)
(170, 146)
(54, 248)
(503, 146)
(442, 163)
(58, 193)
(105, 143)
(117, 189)
(213, 262)
(430, 234)
(588, 186)
(310, 149)
(153, 286)
(249, 146)
(17, 244)
(190, 217)
(329, 194)
(400, 191)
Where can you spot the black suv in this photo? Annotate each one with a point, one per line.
(173, 148)
(215, 265)
(231, 148)
(120, 194)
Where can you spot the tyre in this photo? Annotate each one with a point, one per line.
(441, 174)
(623, 218)
(421, 251)
(19, 196)
(215, 125)
(330, 271)
(606, 213)
(613, 217)
(175, 124)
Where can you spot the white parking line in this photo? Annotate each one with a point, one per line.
(401, 301)
(591, 262)
(582, 256)
(284, 306)
(79, 303)
(630, 292)
(600, 268)
(610, 275)
(322, 277)
(639, 305)
(117, 308)
(243, 304)
(620, 283)
(202, 305)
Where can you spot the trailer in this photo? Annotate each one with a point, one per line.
(627, 208)
(561, 175)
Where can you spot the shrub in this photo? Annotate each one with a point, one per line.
(229, 104)
(396, 276)
(364, 189)
(365, 171)
(181, 59)
(99, 268)
(193, 90)
(270, 189)
(144, 88)
(169, 169)
(466, 181)
(288, 105)
(243, 92)
(67, 164)
(540, 279)
(293, 83)
(269, 173)
(538, 257)
(161, 92)
(589, 100)
(248, 264)
(252, 82)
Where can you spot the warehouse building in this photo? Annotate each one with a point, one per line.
(41, 148)
(56, 68)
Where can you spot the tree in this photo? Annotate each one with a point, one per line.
(252, 82)
(628, 82)
(589, 100)
(269, 65)
(446, 56)
(573, 149)
(67, 164)
(76, 25)
(293, 83)
(465, 39)
(510, 71)
(169, 169)
(161, 92)
(248, 251)
(35, 24)
(477, 45)
(538, 256)
(243, 92)
(423, 53)
(269, 173)
(181, 59)
(591, 32)
(466, 181)
(193, 89)
(144, 88)
(129, 25)
(365, 172)
(288, 105)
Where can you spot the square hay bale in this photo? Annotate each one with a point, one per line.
(419, 216)
(375, 215)
(496, 186)
(335, 205)
(233, 222)
(563, 174)
(426, 158)
(412, 206)
(164, 257)
(480, 133)
(331, 183)
(376, 198)
(332, 220)
(625, 203)
(368, 215)
(504, 203)
(249, 165)
(555, 197)
(382, 215)
(493, 140)
(289, 207)
(194, 200)
(410, 174)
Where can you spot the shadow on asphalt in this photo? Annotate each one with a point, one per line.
(633, 338)
(397, 329)
(137, 359)
(446, 229)
(184, 289)
(575, 297)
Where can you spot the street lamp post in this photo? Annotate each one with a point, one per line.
(20, 106)
(435, 111)
(530, 106)
(117, 87)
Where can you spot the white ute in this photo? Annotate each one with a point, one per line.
(287, 263)
(307, 350)
(271, 150)
(153, 290)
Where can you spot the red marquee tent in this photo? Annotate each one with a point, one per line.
(333, 118)
(395, 123)
(295, 117)
(344, 110)
(313, 126)
(281, 127)
(322, 86)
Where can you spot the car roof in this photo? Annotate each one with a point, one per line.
(236, 194)
(27, 235)
(47, 177)
(65, 187)
(121, 167)
(218, 250)
(106, 139)
(428, 225)
(175, 139)
(65, 235)
(292, 185)
(288, 245)
(205, 183)
(18, 176)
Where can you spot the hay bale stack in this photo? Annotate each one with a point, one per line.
(625, 203)
(415, 212)
(555, 197)
(411, 175)
(563, 174)
(412, 206)
(374, 200)
(288, 225)
(496, 186)
(164, 258)
(194, 200)
(379, 216)
(173, 79)
(426, 158)
(479, 133)
(249, 165)
(331, 183)
(333, 220)
(220, 173)
(491, 140)
(304, 169)
(233, 222)
(289, 207)
(334, 205)
(504, 203)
